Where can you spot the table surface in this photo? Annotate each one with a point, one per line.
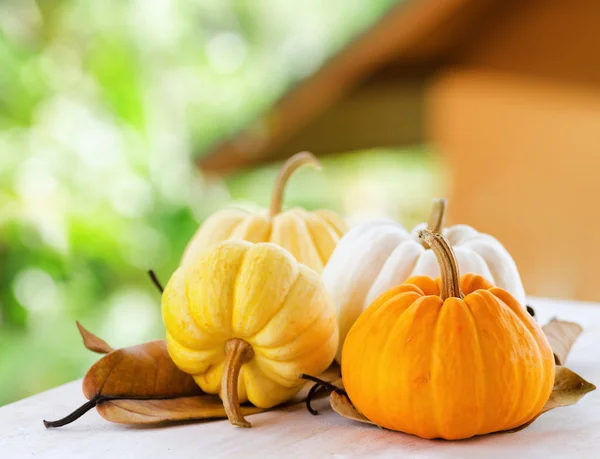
(565, 432)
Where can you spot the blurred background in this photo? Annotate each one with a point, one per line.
(125, 123)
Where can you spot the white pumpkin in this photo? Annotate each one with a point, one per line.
(380, 254)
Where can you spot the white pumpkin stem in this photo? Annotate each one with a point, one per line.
(237, 352)
(286, 171)
(437, 215)
(447, 261)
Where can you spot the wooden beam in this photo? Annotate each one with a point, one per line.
(385, 115)
(548, 39)
(400, 30)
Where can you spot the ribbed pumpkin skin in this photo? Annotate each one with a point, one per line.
(379, 254)
(310, 236)
(260, 294)
(447, 369)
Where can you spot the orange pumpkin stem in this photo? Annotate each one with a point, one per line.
(447, 261)
(437, 215)
(237, 352)
(286, 171)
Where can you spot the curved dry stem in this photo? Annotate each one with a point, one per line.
(237, 352)
(319, 384)
(87, 406)
(155, 281)
(286, 171)
(447, 261)
(437, 215)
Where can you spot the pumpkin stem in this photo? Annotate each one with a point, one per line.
(437, 215)
(286, 171)
(447, 261)
(237, 352)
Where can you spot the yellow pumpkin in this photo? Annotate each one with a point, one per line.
(245, 320)
(451, 359)
(309, 236)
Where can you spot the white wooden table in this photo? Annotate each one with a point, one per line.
(571, 432)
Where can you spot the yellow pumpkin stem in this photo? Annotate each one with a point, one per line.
(237, 352)
(447, 261)
(437, 215)
(286, 171)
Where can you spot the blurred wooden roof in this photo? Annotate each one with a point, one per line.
(369, 94)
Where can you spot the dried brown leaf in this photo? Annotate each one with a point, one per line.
(92, 342)
(141, 385)
(144, 371)
(156, 411)
(141, 371)
(568, 389)
(342, 405)
(561, 336)
(199, 407)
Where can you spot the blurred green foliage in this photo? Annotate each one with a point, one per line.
(103, 107)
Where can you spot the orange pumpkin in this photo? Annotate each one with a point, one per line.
(449, 359)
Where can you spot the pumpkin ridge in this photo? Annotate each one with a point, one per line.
(304, 330)
(495, 302)
(189, 302)
(270, 230)
(382, 270)
(205, 383)
(540, 358)
(196, 323)
(191, 251)
(434, 370)
(177, 282)
(361, 242)
(529, 413)
(483, 299)
(388, 303)
(262, 364)
(236, 226)
(321, 256)
(253, 225)
(304, 351)
(390, 341)
(311, 237)
(481, 359)
(234, 296)
(278, 310)
(327, 223)
(296, 249)
(215, 354)
(323, 214)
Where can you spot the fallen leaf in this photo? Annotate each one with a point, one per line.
(568, 389)
(92, 342)
(342, 405)
(561, 336)
(141, 385)
(199, 407)
(141, 371)
(144, 371)
(157, 411)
